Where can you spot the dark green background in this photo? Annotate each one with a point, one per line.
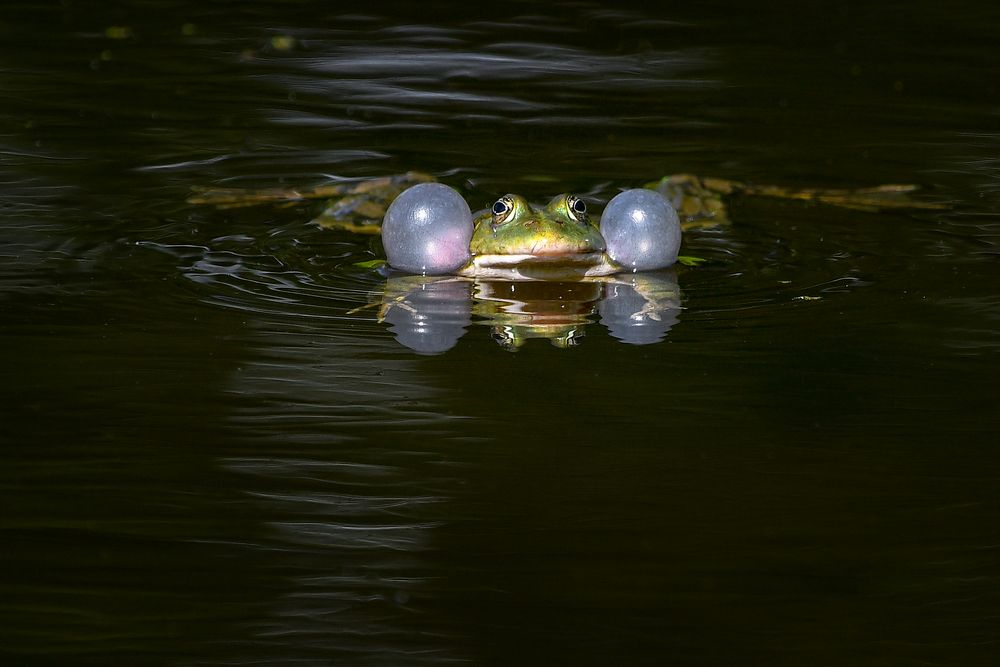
(207, 460)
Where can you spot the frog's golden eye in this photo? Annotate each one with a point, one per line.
(503, 209)
(577, 208)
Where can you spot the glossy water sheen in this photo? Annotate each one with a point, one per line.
(208, 459)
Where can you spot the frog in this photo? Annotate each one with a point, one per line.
(515, 241)
(531, 271)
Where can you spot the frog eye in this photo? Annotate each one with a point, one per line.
(577, 208)
(503, 209)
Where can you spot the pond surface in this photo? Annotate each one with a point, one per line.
(210, 456)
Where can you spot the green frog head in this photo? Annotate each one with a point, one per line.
(515, 227)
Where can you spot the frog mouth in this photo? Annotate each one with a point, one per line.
(573, 257)
(573, 265)
(555, 250)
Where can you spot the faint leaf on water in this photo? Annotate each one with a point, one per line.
(688, 260)
(118, 32)
(371, 264)
(283, 42)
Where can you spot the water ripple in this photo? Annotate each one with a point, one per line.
(326, 517)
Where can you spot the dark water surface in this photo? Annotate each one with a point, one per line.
(207, 459)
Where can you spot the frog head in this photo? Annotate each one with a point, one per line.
(515, 227)
(518, 240)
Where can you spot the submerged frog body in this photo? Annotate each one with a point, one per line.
(516, 240)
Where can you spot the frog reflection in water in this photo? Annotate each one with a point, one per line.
(430, 313)
(508, 249)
